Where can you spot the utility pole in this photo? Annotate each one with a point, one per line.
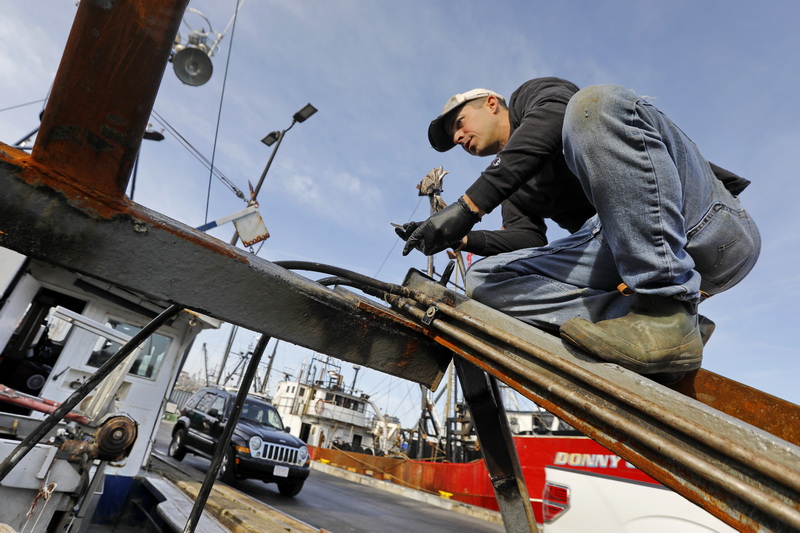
(205, 362)
(269, 367)
(225, 355)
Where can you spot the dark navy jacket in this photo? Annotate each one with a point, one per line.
(529, 177)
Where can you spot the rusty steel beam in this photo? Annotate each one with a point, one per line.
(48, 217)
(743, 475)
(104, 90)
(65, 205)
(756, 407)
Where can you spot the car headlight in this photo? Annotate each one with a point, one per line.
(302, 455)
(255, 445)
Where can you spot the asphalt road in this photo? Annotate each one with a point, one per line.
(341, 506)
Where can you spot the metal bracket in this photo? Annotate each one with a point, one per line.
(430, 314)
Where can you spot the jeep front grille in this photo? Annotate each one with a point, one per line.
(278, 453)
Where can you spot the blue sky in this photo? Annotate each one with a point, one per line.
(378, 72)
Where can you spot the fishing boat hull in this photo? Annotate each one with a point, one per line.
(469, 482)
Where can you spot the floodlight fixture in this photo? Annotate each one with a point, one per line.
(192, 61)
(153, 135)
(271, 138)
(304, 113)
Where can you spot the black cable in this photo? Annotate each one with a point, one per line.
(22, 105)
(198, 155)
(367, 289)
(360, 281)
(219, 112)
(348, 274)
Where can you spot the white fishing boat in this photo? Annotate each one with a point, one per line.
(56, 329)
(326, 413)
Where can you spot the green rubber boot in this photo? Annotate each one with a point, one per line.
(658, 335)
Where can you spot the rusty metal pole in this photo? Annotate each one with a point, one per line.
(104, 91)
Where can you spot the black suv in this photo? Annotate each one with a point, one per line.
(260, 446)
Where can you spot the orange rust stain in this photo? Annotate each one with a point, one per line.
(103, 207)
(770, 413)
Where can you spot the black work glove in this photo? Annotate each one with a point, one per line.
(405, 231)
(442, 230)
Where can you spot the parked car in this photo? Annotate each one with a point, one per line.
(576, 500)
(261, 447)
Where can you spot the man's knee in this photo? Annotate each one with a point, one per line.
(589, 111)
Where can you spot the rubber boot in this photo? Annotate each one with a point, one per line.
(658, 335)
(706, 326)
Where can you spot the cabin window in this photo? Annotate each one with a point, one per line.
(205, 403)
(219, 404)
(261, 413)
(343, 401)
(150, 356)
(37, 342)
(192, 402)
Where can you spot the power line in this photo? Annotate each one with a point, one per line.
(394, 244)
(199, 156)
(22, 105)
(221, 99)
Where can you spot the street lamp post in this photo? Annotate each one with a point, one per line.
(272, 138)
(275, 138)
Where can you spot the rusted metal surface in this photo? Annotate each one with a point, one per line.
(113, 441)
(115, 437)
(64, 204)
(745, 476)
(104, 90)
(765, 411)
(165, 261)
(465, 482)
(42, 405)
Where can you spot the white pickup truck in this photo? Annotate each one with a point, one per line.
(578, 501)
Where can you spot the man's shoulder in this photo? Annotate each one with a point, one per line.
(542, 87)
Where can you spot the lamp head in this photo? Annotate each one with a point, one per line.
(271, 138)
(192, 66)
(304, 113)
(153, 135)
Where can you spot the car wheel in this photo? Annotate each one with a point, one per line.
(290, 488)
(227, 469)
(177, 449)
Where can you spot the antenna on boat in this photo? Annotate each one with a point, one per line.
(356, 368)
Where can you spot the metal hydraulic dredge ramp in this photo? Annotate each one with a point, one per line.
(728, 448)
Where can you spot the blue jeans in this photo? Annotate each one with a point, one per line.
(665, 225)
